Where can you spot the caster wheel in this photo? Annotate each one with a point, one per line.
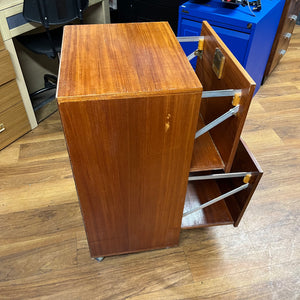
(99, 259)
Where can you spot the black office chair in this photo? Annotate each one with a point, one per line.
(49, 13)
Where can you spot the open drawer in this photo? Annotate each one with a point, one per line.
(227, 93)
(209, 189)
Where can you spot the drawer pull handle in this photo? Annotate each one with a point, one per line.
(287, 35)
(282, 52)
(2, 128)
(293, 18)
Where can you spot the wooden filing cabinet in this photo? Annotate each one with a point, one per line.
(284, 33)
(13, 118)
(130, 105)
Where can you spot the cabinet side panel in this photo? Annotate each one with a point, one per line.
(130, 161)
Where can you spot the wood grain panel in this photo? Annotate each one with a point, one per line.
(206, 156)
(6, 65)
(225, 135)
(9, 95)
(1, 43)
(15, 122)
(130, 170)
(129, 102)
(122, 60)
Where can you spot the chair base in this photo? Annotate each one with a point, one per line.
(39, 43)
(44, 106)
(43, 100)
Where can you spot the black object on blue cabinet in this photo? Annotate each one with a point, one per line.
(248, 34)
(147, 11)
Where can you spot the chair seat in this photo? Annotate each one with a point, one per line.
(39, 43)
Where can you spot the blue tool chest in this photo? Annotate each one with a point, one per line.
(249, 35)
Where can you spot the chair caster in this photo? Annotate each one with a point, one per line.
(99, 259)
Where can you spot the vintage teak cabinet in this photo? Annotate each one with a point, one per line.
(130, 105)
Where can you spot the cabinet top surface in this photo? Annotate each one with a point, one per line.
(107, 61)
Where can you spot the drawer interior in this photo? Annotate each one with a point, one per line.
(230, 209)
(205, 153)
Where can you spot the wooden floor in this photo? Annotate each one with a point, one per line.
(43, 248)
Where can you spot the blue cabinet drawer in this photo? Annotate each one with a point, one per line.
(236, 41)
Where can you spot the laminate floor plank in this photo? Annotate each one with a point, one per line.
(114, 278)
(257, 283)
(37, 223)
(36, 172)
(37, 195)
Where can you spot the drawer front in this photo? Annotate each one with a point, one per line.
(291, 16)
(13, 120)
(233, 76)
(283, 44)
(1, 43)
(9, 95)
(287, 24)
(5, 64)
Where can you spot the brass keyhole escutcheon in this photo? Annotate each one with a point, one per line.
(218, 63)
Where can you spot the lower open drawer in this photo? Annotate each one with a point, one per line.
(243, 179)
